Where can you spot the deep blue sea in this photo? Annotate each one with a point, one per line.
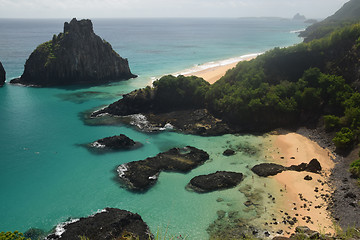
(47, 176)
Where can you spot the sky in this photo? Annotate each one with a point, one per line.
(167, 8)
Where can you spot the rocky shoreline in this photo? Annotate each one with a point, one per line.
(344, 204)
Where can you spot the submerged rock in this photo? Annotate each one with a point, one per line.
(272, 169)
(2, 75)
(215, 181)
(35, 233)
(121, 142)
(229, 152)
(76, 56)
(109, 224)
(141, 175)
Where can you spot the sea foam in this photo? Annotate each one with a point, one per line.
(212, 64)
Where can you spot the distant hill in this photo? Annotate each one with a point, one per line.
(348, 14)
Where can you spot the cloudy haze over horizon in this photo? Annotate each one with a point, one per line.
(166, 8)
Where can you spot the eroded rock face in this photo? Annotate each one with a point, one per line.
(2, 75)
(215, 181)
(109, 224)
(76, 56)
(141, 175)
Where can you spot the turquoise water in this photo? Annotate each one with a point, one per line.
(47, 177)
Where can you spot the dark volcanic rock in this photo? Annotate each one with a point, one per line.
(228, 152)
(271, 169)
(308, 178)
(76, 56)
(141, 175)
(215, 181)
(198, 122)
(268, 169)
(120, 142)
(172, 101)
(313, 166)
(2, 75)
(109, 224)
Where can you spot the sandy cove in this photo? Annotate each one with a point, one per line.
(213, 74)
(305, 200)
(295, 198)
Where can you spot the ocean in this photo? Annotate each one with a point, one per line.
(47, 176)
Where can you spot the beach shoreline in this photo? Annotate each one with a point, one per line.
(305, 202)
(212, 71)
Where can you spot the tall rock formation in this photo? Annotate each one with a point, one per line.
(76, 56)
(2, 75)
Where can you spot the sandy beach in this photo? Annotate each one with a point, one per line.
(297, 198)
(213, 74)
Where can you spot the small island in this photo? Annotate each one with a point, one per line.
(141, 175)
(114, 143)
(2, 75)
(76, 56)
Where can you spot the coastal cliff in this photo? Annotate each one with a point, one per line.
(76, 56)
(2, 75)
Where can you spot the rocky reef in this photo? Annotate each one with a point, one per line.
(114, 143)
(215, 181)
(272, 169)
(109, 224)
(76, 56)
(2, 75)
(141, 175)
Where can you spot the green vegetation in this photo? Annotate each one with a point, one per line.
(49, 49)
(284, 87)
(12, 236)
(347, 15)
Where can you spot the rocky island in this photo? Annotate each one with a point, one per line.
(215, 181)
(114, 143)
(141, 175)
(76, 56)
(2, 75)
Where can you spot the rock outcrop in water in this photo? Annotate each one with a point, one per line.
(215, 181)
(76, 56)
(114, 143)
(2, 75)
(272, 169)
(109, 224)
(141, 175)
